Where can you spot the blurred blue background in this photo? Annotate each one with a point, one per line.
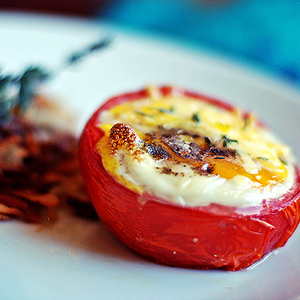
(264, 32)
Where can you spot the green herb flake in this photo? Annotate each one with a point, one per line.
(195, 118)
(262, 158)
(165, 110)
(207, 141)
(142, 114)
(246, 122)
(282, 160)
(79, 55)
(25, 87)
(227, 140)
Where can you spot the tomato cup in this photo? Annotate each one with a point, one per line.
(213, 236)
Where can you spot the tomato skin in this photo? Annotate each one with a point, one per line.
(213, 236)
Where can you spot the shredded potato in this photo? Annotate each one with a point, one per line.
(39, 172)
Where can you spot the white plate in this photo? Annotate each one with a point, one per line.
(78, 259)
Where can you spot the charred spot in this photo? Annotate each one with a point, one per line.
(187, 148)
(205, 169)
(149, 137)
(225, 152)
(197, 151)
(169, 171)
(157, 151)
(166, 170)
(122, 136)
(184, 150)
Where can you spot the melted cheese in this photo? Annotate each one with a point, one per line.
(253, 164)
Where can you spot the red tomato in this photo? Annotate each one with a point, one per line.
(213, 236)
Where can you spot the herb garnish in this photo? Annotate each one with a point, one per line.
(195, 118)
(162, 110)
(207, 141)
(142, 114)
(165, 110)
(77, 56)
(18, 91)
(246, 122)
(227, 140)
(282, 160)
(262, 158)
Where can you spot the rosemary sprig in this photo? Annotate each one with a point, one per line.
(79, 55)
(17, 92)
(29, 81)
